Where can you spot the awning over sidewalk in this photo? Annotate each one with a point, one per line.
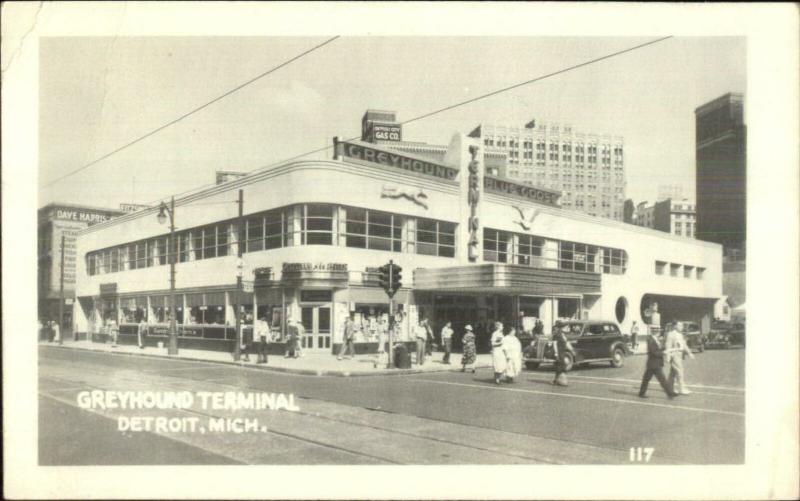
(506, 278)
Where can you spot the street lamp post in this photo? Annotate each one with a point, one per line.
(173, 327)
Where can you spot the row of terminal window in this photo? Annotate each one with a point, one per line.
(539, 252)
(301, 224)
(680, 270)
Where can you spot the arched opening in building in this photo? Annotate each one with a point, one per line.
(621, 309)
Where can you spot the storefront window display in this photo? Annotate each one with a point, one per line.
(133, 310)
(371, 320)
(207, 315)
(108, 309)
(160, 307)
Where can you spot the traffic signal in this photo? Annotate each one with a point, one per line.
(397, 279)
(384, 278)
(390, 278)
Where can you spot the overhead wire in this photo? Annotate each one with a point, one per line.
(189, 113)
(449, 107)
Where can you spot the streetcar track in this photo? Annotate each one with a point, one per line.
(245, 386)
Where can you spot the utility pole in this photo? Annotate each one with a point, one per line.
(173, 327)
(237, 349)
(61, 298)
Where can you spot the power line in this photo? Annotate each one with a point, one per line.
(452, 106)
(185, 115)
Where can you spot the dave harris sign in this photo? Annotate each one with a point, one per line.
(81, 215)
(372, 155)
(527, 192)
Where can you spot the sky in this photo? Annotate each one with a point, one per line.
(99, 93)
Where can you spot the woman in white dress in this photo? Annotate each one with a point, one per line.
(498, 355)
(513, 351)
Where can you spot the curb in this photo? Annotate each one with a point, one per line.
(289, 370)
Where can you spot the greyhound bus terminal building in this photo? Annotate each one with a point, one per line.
(474, 248)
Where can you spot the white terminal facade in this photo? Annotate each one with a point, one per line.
(474, 247)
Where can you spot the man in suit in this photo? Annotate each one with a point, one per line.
(655, 367)
(348, 340)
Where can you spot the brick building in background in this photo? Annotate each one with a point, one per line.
(54, 221)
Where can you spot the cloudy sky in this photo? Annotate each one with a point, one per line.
(98, 93)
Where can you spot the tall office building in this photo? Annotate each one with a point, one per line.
(721, 174)
(588, 168)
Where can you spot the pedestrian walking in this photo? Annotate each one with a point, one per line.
(677, 349)
(561, 347)
(513, 352)
(655, 367)
(56, 332)
(447, 342)
(262, 336)
(381, 357)
(298, 339)
(348, 340)
(141, 333)
(113, 331)
(634, 336)
(498, 355)
(468, 353)
(421, 336)
(247, 341)
(428, 339)
(291, 340)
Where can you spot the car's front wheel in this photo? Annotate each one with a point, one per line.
(618, 358)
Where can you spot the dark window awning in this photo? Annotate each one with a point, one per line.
(506, 278)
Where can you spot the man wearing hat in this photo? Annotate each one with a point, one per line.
(468, 353)
(655, 366)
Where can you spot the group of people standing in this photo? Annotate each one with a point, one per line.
(50, 331)
(506, 354)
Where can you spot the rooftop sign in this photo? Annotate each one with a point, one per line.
(524, 191)
(77, 214)
(395, 160)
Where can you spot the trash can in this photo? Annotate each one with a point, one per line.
(402, 359)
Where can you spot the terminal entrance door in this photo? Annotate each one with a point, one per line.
(317, 324)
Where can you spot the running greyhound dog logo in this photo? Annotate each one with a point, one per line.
(416, 195)
(526, 217)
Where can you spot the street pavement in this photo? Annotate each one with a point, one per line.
(412, 418)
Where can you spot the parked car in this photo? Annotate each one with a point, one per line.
(726, 335)
(593, 341)
(695, 339)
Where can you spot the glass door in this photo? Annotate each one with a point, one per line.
(317, 325)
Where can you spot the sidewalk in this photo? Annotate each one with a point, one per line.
(313, 364)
